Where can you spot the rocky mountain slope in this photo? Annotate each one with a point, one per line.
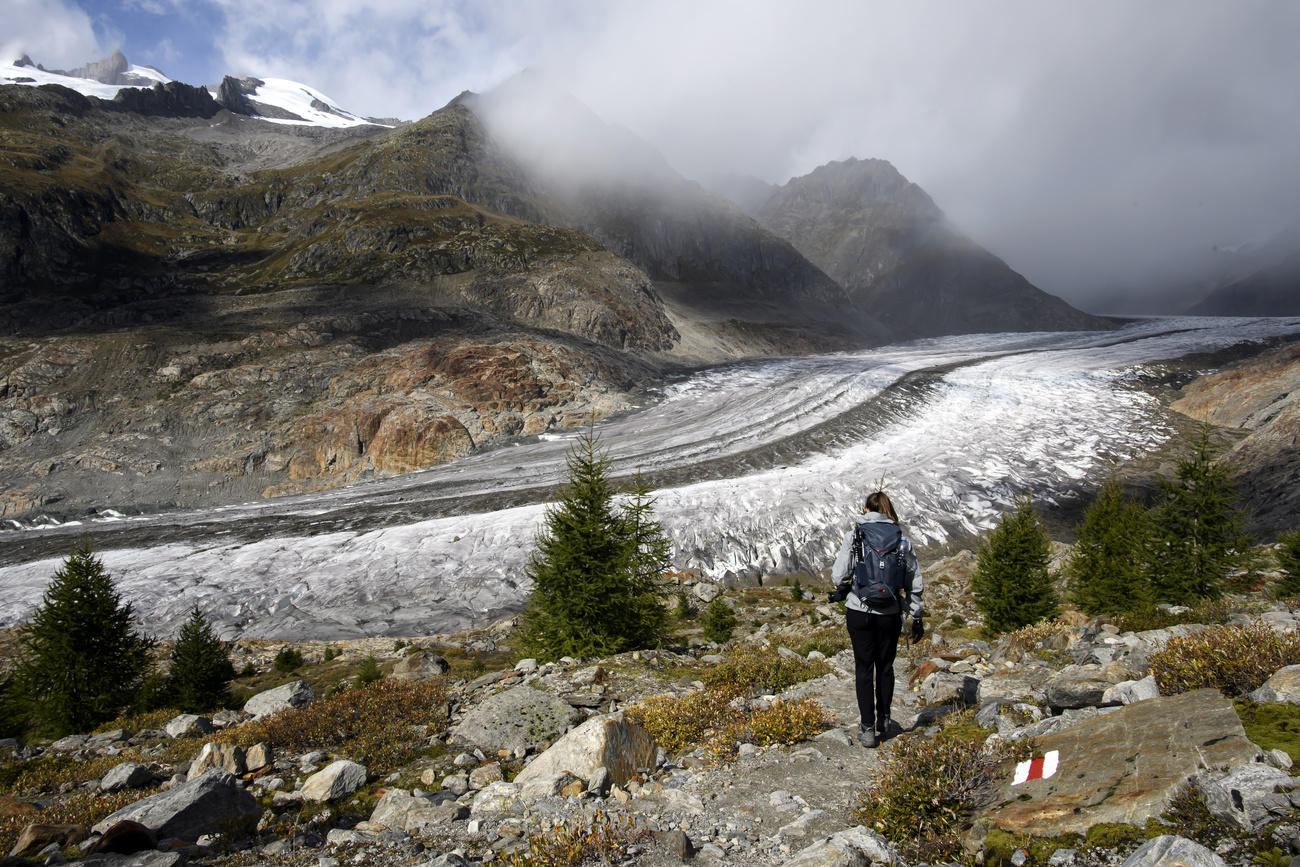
(887, 243)
(1271, 290)
(1130, 759)
(1261, 398)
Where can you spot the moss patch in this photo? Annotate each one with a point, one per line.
(1272, 725)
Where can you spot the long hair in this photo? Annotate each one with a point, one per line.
(879, 502)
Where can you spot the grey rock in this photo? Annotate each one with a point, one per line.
(128, 775)
(258, 756)
(1052, 724)
(855, 847)
(69, 744)
(599, 782)
(212, 803)
(610, 741)
(1172, 850)
(519, 717)
(706, 591)
(336, 780)
(188, 725)
(1027, 684)
(1078, 686)
(943, 687)
(496, 798)
(228, 757)
(451, 859)
(1130, 691)
(1243, 795)
(1282, 686)
(224, 719)
(294, 694)
(421, 665)
(1123, 766)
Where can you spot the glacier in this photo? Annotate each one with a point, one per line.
(758, 468)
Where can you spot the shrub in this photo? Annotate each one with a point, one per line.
(1208, 611)
(1274, 725)
(1233, 659)
(751, 671)
(679, 724)
(1188, 816)
(829, 640)
(200, 668)
(1011, 585)
(79, 808)
(377, 724)
(596, 567)
(786, 722)
(1105, 568)
(719, 621)
(796, 591)
(369, 671)
(287, 660)
(331, 653)
(924, 790)
(80, 659)
(1288, 560)
(1196, 536)
(598, 839)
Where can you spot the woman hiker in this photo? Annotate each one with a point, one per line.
(876, 587)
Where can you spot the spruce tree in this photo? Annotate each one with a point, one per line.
(200, 668)
(1106, 570)
(80, 659)
(1011, 585)
(719, 621)
(595, 567)
(1197, 535)
(1288, 561)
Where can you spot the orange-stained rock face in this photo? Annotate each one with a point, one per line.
(413, 437)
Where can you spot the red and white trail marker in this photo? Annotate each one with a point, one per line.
(1038, 768)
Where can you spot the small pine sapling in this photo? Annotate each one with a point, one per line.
(1105, 569)
(201, 670)
(719, 621)
(1011, 584)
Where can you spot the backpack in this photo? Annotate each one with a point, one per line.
(881, 570)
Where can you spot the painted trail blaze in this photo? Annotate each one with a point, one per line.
(1037, 768)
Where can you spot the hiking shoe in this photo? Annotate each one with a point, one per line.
(884, 728)
(867, 737)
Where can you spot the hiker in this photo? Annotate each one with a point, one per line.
(874, 592)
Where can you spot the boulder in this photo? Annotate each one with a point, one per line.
(337, 779)
(496, 798)
(69, 744)
(1121, 766)
(1130, 691)
(258, 756)
(521, 717)
(610, 741)
(1171, 850)
(1027, 684)
(854, 847)
(1284, 685)
(126, 837)
(188, 725)
(399, 810)
(293, 694)
(944, 687)
(211, 804)
(1248, 795)
(420, 665)
(1084, 685)
(706, 591)
(224, 719)
(226, 756)
(128, 775)
(545, 787)
(486, 775)
(1066, 719)
(36, 837)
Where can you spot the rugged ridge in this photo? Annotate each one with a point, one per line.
(884, 239)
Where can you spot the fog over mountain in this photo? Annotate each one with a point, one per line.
(1104, 150)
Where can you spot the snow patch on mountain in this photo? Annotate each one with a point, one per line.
(312, 107)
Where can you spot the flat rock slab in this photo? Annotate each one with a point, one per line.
(210, 804)
(612, 742)
(1123, 766)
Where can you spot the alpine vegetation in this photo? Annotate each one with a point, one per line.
(1011, 584)
(596, 567)
(81, 660)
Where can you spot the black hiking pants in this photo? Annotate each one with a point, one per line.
(875, 643)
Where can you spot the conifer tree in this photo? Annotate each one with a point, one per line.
(595, 566)
(719, 620)
(1106, 568)
(1011, 585)
(1288, 560)
(1197, 535)
(200, 667)
(80, 659)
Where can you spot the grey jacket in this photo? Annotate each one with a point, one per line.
(842, 571)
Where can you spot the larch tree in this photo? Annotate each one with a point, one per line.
(1011, 584)
(1106, 568)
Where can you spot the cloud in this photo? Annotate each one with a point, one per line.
(55, 33)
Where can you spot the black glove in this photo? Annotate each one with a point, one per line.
(918, 629)
(835, 596)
